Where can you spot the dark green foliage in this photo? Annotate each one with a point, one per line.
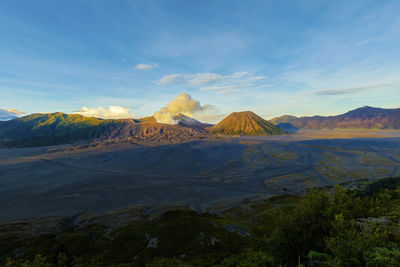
(342, 243)
(388, 183)
(386, 256)
(165, 262)
(180, 236)
(303, 229)
(248, 259)
(338, 226)
(323, 228)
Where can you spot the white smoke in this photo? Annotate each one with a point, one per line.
(183, 103)
(112, 112)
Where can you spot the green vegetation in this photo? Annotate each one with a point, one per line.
(51, 129)
(340, 227)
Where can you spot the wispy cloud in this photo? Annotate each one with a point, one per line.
(112, 112)
(350, 90)
(256, 78)
(231, 91)
(9, 113)
(238, 75)
(221, 90)
(191, 79)
(146, 66)
(169, 79)
(217, 88)
(204, 78)
(221, 84)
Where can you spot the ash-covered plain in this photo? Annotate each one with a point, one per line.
(204, 175)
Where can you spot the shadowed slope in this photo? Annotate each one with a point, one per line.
(245, 123)
(288, 127)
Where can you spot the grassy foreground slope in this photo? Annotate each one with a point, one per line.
(245, 123)
(337, 227)
(51, 129)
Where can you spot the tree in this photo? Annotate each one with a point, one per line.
(342, 244)
(303, 229)
(382, 256)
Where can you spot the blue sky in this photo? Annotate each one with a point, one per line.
(272, 57)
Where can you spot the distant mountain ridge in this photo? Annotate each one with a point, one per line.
(60, 128)
(365, 118)
(245, 123)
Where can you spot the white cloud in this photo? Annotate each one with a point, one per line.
(238, 82)
(217, 88)
(351, 90)
(238, 75)
(221, 84)
(9, 113)
(221, 90)
(183, 103)
(112, 112)
(146, 66)
(231, 91)
(190, 79)
(256, 78)
(173, 78)
(203, 78)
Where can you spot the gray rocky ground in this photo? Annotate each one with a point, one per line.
(205, 175)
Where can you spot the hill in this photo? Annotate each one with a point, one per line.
(365, 117)
(60, 128)
(51, 129)
(283, 119)
(245, 123)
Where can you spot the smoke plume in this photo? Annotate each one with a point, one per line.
(183, 103)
